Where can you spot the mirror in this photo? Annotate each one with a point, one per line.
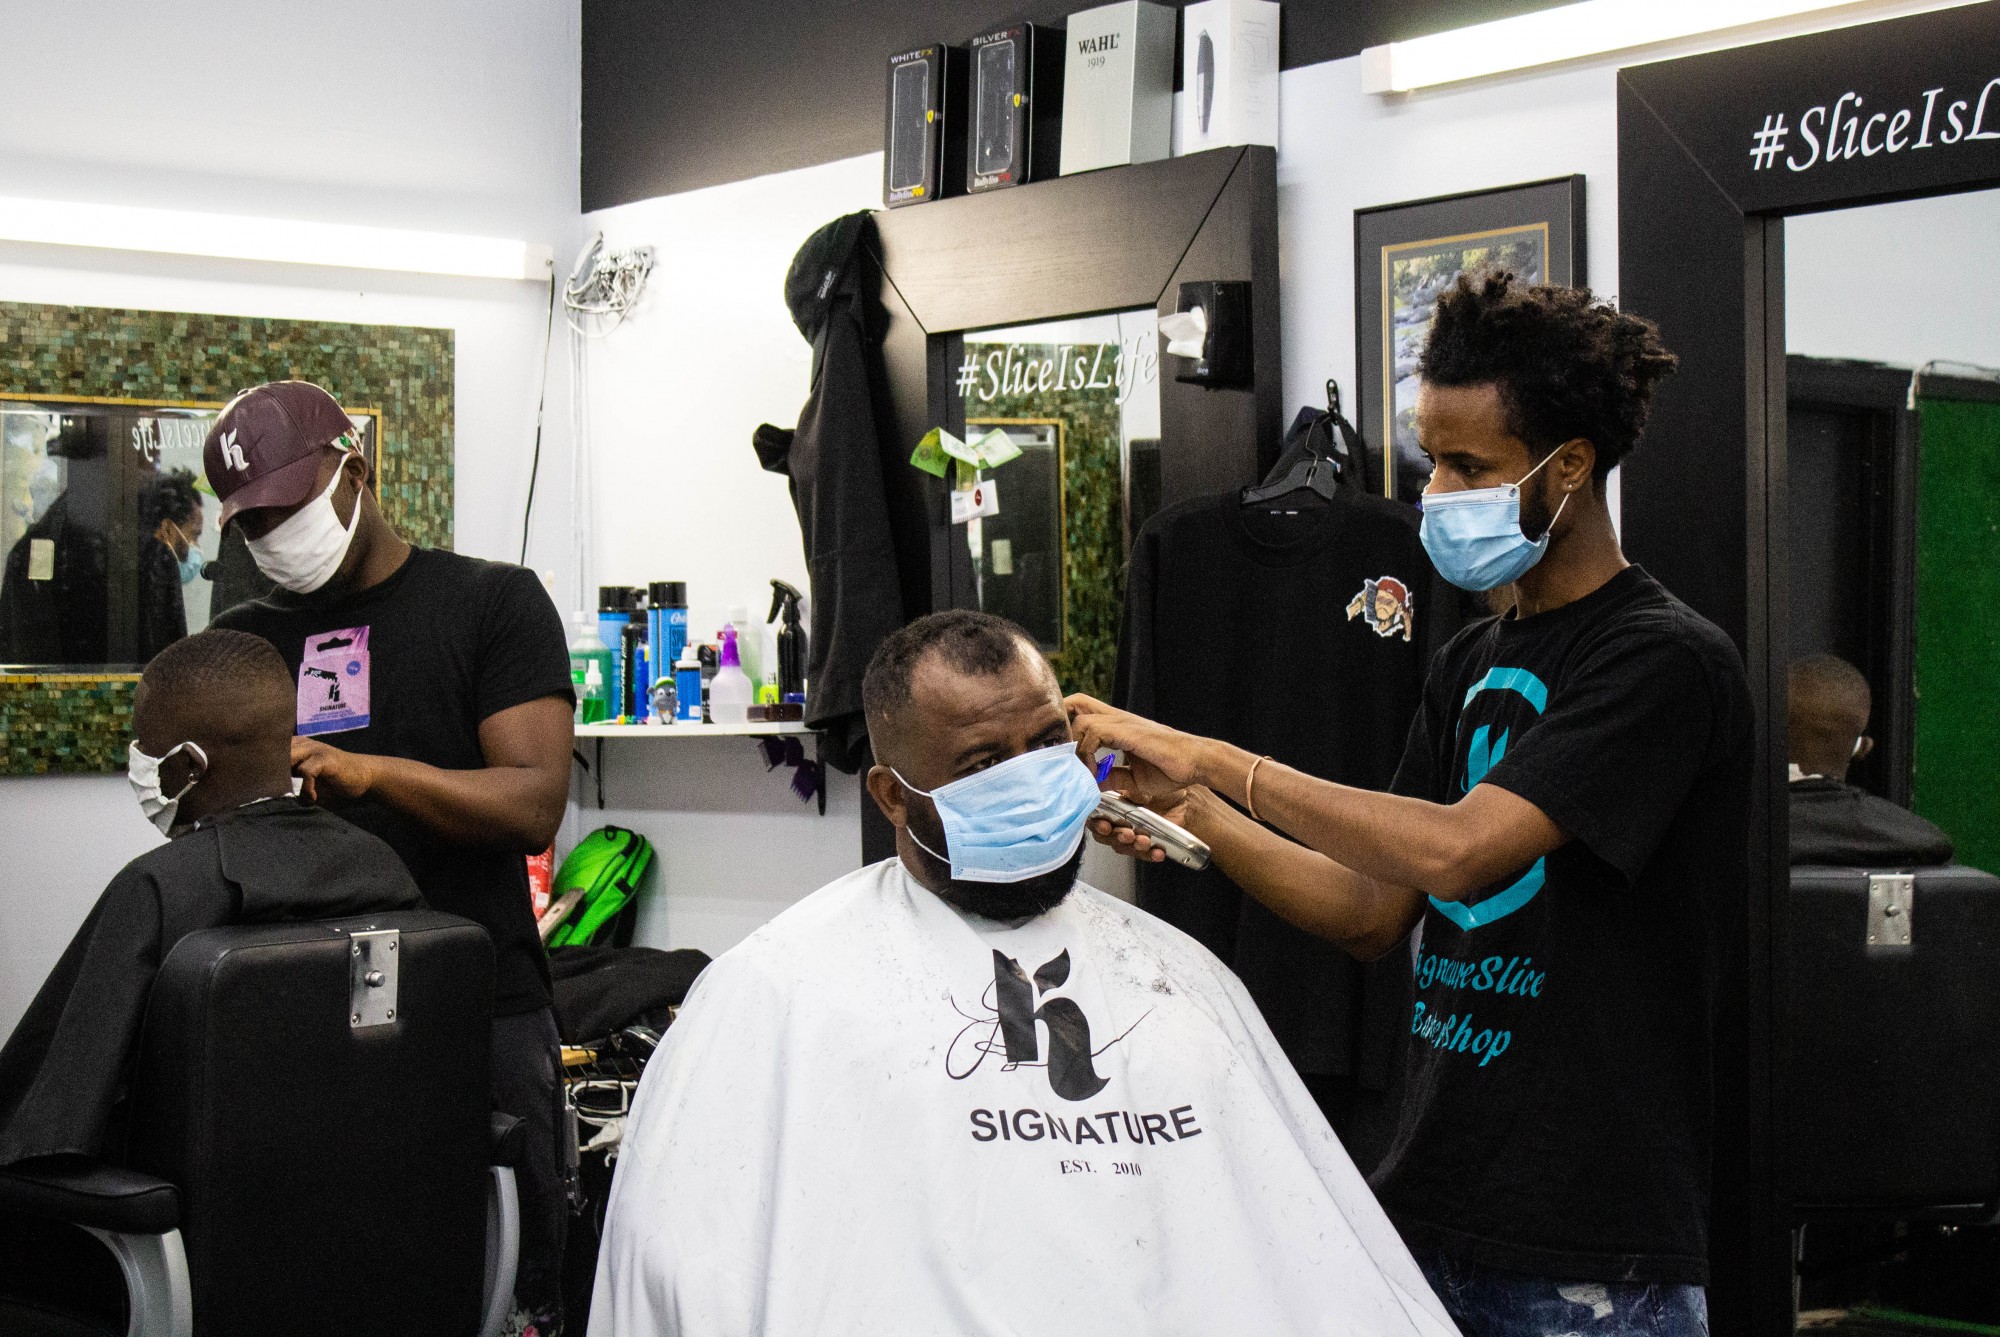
(1080, 398)
(1893, 443)
(1893, 479)
(109, 534)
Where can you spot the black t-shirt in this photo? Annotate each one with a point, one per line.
(1557, 1108)
(449, 641)
(1301, 634)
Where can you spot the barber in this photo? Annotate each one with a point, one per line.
(434, 709)
(1568, 818)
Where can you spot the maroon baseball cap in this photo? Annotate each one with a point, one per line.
(263, 449)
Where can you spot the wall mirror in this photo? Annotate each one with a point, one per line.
(112, 550)
(103, 511)
(991, 308)
(1081, 399)
(1811, 224)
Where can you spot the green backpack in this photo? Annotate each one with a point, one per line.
(607, 865)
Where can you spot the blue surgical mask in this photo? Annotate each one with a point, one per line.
(1474, 537)
(1017, 820)
(191, 565)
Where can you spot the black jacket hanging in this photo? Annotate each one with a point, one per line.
(834, 462)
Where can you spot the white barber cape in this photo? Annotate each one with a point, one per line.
(879, 1116)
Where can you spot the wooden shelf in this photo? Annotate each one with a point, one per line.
(663, 732)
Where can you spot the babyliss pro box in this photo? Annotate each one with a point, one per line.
(1017, 97)
(1229, 73)
(925, 134)
(1118, 86)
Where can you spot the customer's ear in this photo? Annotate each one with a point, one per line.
(889, 795)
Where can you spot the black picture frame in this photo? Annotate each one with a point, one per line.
(1436, 238)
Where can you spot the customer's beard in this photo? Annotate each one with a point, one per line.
(993, 900)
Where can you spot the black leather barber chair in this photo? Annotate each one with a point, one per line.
(1893, 1097)
(312, 1143)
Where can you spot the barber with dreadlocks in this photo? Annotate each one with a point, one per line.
(1568, 815)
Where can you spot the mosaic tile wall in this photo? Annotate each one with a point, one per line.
(65, 722)
(70, 723)
(1093, 537)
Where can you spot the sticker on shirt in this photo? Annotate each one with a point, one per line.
(333, 682)
(1387, 606)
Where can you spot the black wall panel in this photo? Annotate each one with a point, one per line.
(695, 93)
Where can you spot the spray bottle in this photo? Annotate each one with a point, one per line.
(730, 693)
(791, 656)
(687, 685)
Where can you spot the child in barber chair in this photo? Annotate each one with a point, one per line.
(210, 762)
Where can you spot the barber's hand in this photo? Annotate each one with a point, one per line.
(329, 772)
(1162, 760)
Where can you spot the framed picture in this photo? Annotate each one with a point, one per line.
(1405, 255)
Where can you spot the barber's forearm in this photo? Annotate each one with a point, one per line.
(1301, 886)
(1404, 842)
(514, 807)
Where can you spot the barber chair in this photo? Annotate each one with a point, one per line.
(312, 1143)
(1893, 1095)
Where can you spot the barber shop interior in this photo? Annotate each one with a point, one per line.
(1339, 658)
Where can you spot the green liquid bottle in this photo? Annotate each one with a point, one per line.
(590, 702)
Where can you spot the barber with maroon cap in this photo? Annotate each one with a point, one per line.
(434, 710)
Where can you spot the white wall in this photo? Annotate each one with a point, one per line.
(1904, 283)
(449, 117)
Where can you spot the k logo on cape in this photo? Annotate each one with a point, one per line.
(1012, 1015)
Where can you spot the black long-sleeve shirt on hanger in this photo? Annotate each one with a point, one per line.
(1302, 634)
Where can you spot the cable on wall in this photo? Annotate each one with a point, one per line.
(604, 287)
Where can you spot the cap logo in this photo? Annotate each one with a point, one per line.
(232, 454)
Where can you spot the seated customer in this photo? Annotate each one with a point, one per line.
(211, 763)
(1834, 822)
(960, 1092)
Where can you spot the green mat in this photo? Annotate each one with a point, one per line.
(1958, 627)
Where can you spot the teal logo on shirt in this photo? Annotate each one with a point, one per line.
(1482, 754)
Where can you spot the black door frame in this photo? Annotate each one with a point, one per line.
(1713, 152)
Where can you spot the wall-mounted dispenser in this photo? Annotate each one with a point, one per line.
(1211, 328)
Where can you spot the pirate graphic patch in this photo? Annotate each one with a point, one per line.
(1387, 604)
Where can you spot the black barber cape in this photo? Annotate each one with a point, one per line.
(1837, 824)
(1556, 1115)
(1302, 636)
(63, 1070)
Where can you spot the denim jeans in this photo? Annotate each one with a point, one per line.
(1487, 1302)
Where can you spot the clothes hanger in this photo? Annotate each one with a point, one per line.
(1316, 474)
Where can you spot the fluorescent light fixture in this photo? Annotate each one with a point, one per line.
(286, 241)
(1567, 33)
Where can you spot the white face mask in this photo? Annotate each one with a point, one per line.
(144, 773)
(303, 553)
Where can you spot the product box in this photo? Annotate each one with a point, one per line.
(1118, 86)
(924, 130)
(1229, 74)
(1017, 96)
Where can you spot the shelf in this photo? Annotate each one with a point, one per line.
(761, 729)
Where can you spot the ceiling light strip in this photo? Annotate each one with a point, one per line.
(1591, 28)
(279, 240)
